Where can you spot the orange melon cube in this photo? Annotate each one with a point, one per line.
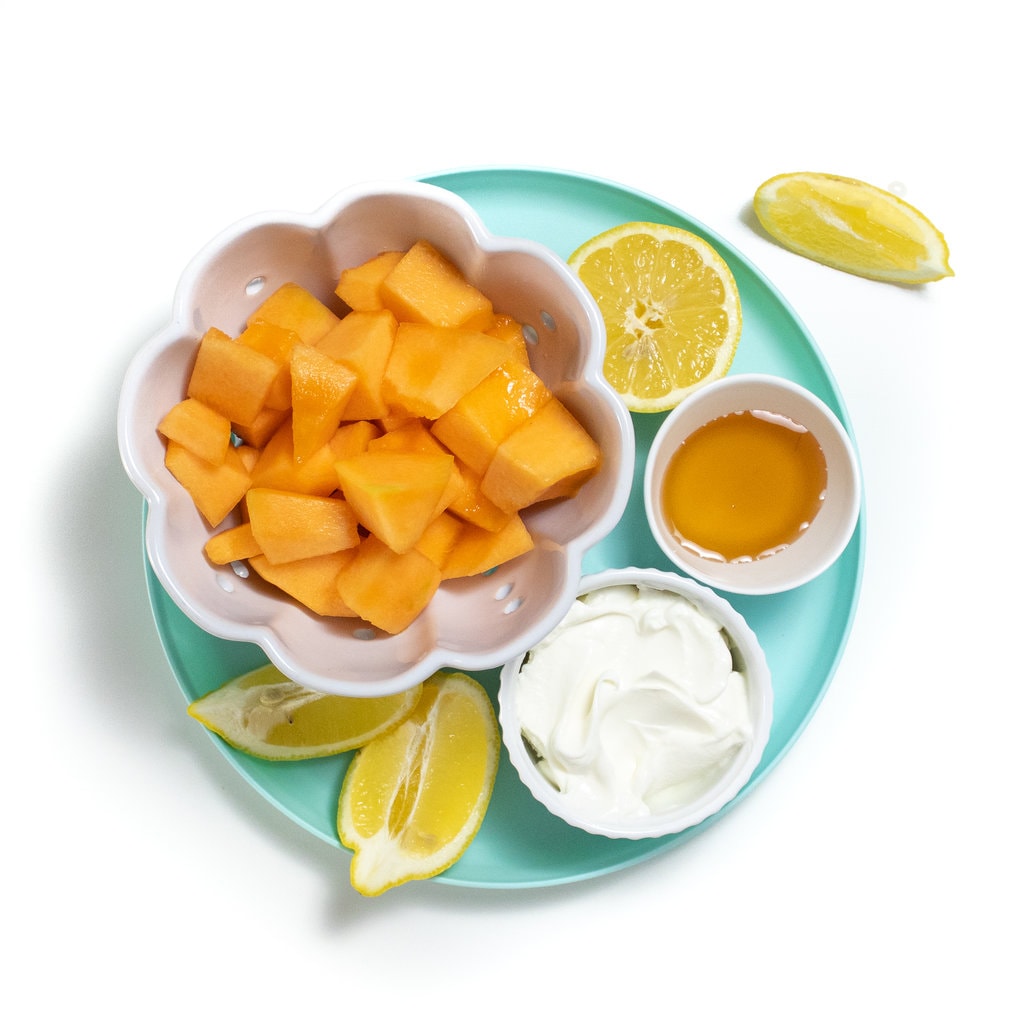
(510, 330)
(439, 538)
(471, 505)
(277, 467)
(431, 368)
(235, 544)
(262, 428)
(395, 494)
(425, 287)
(386, 588)
(359, 287)
(232, 379)
(216, 490)
(352, 438)
(297, 309)
(550, 455)
(477, 550)
(320, 392)
(362, 341)
(479, 421)
(414, 436)
(277, 343)
(312, 582)
(289, 526)
(200, 429)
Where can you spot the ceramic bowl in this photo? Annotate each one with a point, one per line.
(596, 668)
(827, 534)
(470, 624)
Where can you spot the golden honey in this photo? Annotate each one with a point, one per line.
(744, 486)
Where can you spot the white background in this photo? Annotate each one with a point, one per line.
(876, 874)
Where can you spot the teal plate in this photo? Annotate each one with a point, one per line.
(803, 632)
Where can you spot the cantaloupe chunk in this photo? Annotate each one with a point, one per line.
(359, 287)
(230, 378)
(352, 438)
(470, 504)
(547, 456)
(313, 582)
(426, 287)
(277, 467)
(431, 368)
(477, 550)
(395, 494)
(510, 330)
(235, 544)
(362, 341)
(320, 392)
(200, 429)
(277, 343)
(216, 490)
(289, 526)
(479, 421)
(262, 428)
(297, 309)
(439, 538)
(387, 589)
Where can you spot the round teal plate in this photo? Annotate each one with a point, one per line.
(803, 632)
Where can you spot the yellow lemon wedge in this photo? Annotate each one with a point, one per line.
(671, 311)
(266, 714)
(852, 226)
(413, 799)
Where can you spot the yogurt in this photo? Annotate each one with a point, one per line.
(633, 705)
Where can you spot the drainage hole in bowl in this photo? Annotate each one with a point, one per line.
(365, 633)
(255, 286)
(547, 320)
(530, 334)
(513, 606)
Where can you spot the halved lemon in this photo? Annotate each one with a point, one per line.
(852, 226)
(413, 799)
(671, 311)
(266, 714)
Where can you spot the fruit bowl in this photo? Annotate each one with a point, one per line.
(471, 624)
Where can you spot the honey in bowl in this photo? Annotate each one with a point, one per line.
(744, 486)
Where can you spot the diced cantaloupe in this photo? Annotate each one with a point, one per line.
(297, 309)
(510, 330)
(234, 544)
(359, 286)
(431, 368)
(320, 392)
(230, 378)
(426, 287)
(277, 466)
(479, 421)
(277, 343)
(262, 428)
(439, 538)
(311, 581)
(352, 438)
(477, 550)
(288, 526)
(200, 429)
(395, 494)
(216, 490)
(362, 341)
(386, 588)
(547, 456)
(470, 503)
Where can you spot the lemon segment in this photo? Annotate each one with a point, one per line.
(852, 226)
(671, 311)
(413, 799)
(266, 714)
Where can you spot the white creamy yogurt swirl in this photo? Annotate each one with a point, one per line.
(633, 704)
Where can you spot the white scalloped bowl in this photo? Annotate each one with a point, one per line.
(471, 624)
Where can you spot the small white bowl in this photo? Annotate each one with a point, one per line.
(747, 657)
(829, 532)
(470, 624)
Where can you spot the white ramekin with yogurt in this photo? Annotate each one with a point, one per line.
(645, 711)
